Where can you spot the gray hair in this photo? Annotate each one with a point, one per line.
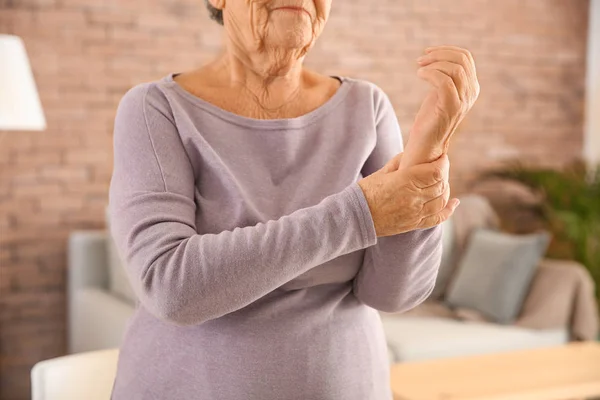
(215, 14)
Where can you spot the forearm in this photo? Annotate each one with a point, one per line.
(421, 148)
(187, 278)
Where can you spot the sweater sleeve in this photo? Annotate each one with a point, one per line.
(399, 272)
(187, 278)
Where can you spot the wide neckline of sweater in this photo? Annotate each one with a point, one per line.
(281, 123)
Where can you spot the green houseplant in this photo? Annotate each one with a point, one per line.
(570, 208)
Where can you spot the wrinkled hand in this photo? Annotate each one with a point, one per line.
(405, 199)
(451, 71)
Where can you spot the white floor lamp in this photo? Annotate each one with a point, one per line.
(20, 106)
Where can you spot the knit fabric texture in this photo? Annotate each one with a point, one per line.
(252, 251)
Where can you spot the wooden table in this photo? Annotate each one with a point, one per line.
(558, 373)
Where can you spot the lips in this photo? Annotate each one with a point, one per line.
(292, 8)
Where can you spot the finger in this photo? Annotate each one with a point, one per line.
(457, 73)
(447, 89)
(444, 161)
(436, 204)
(440, 217)
(432, 193)
(428, 174)
(466, 52)
(472, 86)
(451, 56)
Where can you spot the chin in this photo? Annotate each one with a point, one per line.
(286, 35)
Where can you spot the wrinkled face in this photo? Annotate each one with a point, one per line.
(273, 25)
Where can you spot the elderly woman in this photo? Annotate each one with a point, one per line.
(266, 213)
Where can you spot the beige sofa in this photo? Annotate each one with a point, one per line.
(559, 306)
(97, 309)
(88, 376)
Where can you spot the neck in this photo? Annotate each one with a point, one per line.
(271, 79)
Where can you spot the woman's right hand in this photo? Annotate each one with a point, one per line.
(402, 200)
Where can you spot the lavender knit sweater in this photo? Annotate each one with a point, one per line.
(252, 250)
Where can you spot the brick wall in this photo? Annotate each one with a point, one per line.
(86, 54)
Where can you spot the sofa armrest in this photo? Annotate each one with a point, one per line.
(87, 260)
(98, 320)
(561, 296)
(83, 376)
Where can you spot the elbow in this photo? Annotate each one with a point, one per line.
(410, 283)
(417, 298)
(183, 313)
(400, 303)
(172, 313)
(165, 306)
(170, 303)
(174, 298)
(182, 306)
(168, 284)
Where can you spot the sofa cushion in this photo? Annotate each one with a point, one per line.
(475, 212)
(429, 308)
(439, 309)
(562, 294)
(415, 338)
(118, 282)
(97, 320)
(495, 272)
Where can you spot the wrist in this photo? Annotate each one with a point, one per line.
(416, 153)
(434, 145)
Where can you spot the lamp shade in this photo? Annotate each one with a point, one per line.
(20, 107)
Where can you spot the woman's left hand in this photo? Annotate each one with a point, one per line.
(451, 71)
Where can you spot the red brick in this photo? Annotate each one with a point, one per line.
(29, 275)
(21, 207)
(55, 139)
(21, 20)
(111, 17)
(28, 222)
(64, 174)
(7, 254)
(59, 18)
(157, 22)
(38, 157)
(61, 203)
(98, 188)
(37, 190)
(88, 156)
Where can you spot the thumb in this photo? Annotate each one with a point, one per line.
(393, 164)
(427, 174)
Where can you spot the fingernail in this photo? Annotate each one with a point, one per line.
(421, 59)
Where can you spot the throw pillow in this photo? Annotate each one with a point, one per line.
(495, 273)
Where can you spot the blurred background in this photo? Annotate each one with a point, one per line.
(538, 64)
